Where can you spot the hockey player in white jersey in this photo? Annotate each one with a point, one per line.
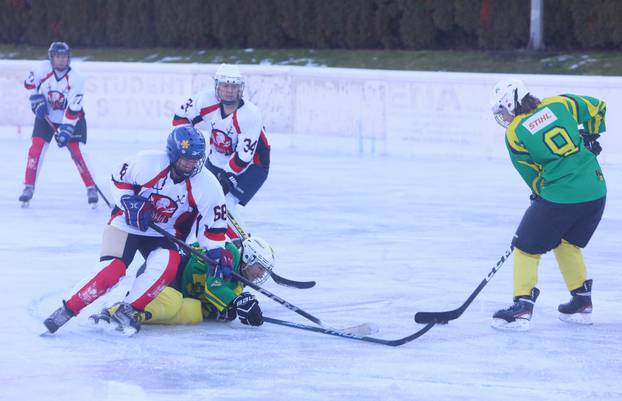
(169, 189)
(56, 100)
(239, 151)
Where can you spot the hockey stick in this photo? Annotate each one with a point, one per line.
(277, 279)
(242, 279)
(444, 317)
(73, 156)
(392, 343)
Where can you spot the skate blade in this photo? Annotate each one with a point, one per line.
(25, 205)
(576, 318)
(95, 319)
(517, 325)
(93, 205)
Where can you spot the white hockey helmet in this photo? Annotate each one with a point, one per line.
(231, 76)
(506, 96)
(257, 260)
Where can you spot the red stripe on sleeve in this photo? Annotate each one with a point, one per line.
(209, 109)
(29, 87)
(214, 236)
(236, 164)
(122, 185)
(73, 115)
(180, 120)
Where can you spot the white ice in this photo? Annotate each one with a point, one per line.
(383, 236)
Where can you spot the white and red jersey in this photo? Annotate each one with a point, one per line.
(177, 204)
(236, 140)
(63, 92)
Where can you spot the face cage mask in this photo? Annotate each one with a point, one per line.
(197, 167)
(237, 99)
(499, 117)
(255, 264)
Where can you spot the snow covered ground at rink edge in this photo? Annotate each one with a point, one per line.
(384, 237)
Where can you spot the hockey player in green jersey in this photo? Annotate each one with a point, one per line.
(201, 293)
(558, 162)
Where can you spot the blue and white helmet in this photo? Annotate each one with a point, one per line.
(188, 142)
(59, 49)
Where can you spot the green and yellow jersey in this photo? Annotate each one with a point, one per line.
(547, 149)
(197, 283)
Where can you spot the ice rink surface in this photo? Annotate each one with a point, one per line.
(384, 237)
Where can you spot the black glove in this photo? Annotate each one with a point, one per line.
(228, 181)
(248, 309)
(38, 105)
(211, 313)
(591, 143)
(64, 134)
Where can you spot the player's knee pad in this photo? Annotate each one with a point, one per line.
(165, 306)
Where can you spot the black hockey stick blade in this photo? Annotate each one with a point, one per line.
(446, 316)
(343, 334)
(291, 283)
(277, 279)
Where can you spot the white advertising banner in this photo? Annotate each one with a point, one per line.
(375, 111)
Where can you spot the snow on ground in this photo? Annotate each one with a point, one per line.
(384, 237)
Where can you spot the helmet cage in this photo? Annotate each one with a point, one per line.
(59, 49)
(506, 97)
(228, 74)
(257, 260)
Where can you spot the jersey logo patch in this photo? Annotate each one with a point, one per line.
(539, 120)
(57, 100)
(165, 208)
(221, 142)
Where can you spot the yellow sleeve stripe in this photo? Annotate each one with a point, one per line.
(535, 185)
(567, 102)
(512, 139)
(218, 303)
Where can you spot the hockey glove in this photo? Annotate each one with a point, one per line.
(591, 143)
(222, 267)
(64, 134)
(138, 211)
(248, 309)
(38, 105)
(228, 181)
(210, 312)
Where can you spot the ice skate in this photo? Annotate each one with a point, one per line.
(127, 319)
(105, 315)
(91, 194)
(579, 309)
(26, 196)
(517, 317)
(58, 318)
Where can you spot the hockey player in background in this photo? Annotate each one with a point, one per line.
(56, 99)
(558, 163)
(239, 152)
(169, 188)
(202, 292)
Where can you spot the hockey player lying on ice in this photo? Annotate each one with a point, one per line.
(201, 292)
